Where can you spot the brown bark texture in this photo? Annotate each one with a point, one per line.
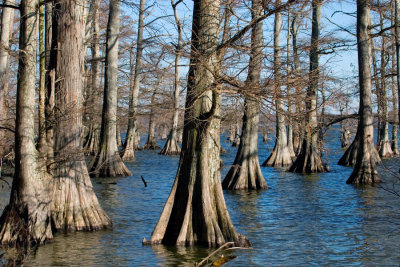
(365, 171)
(245, 172)
(195, 212)
(74, 204)
(107, 162)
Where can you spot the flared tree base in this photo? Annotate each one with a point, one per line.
(128, 154)
(246, 175)
(151, 146)
(75, 206)
(171, 147)
(91, 146)
(309, 163)
(19, 227)
(280, 157)
(385, 150)
(108, 165)
(349, 157)
(364, 175)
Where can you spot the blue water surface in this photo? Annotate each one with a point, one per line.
(312, 220)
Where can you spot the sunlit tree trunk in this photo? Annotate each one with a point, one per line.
(397, 38)
(309, 160)
(299, 108)
(195, 211)
(289, 92)
(26, 219)
(92, 142)
(107, 162)
(280, 155)
(151, 143)
(395, 125)
(7, 19)
(245, 172)
(128, 152)
(74, 204)
(171, 146)
(365, 171)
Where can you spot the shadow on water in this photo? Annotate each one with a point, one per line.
(300, 221)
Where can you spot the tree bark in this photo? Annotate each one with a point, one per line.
(195, 212)
(26, 219)
(395, 125)
(151, 143)
(364, 171)
(309, 160)
(74, 204)
(107, 162)
(299, 126)
(92, 142)
(128, 152)
(245, 173)
(384, 144)
(397, 41)
(171, 146)
(289, 93)
(7, 19)
(280, 155)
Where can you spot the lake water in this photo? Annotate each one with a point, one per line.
(311, 220)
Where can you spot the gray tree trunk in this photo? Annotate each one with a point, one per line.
(289, 93)
(107, 162)
(171, 146)
(299, 108)
(92, 143)
(364, 171)
(26, 219)
(280, 155)
(245, 173)
(397, 36)
(128, 152)
(74, 204)
(195, 212)
(151, 143)
(309, 160)
(384, 145)
(395, 125)
(7, 19)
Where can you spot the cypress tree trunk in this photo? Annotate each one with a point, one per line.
(171, 146)
(128, 152)
(151, 143)
(107, 162)
(195, 211)
(365, 171)
(280, 155)
(7, 19)
(384, 144)
(50, 84)
(289, 93)
(42, 144)
(299, 126)
(309, 160)
(395, 125)
(245, 173)
(74, 204)
(26, 219)
(92, 142)
(397, 36)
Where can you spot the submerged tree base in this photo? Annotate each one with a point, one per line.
(108, 165)
(280, 157)
(310, 162)
(152, 145)
(247, 176)
(171, 147)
